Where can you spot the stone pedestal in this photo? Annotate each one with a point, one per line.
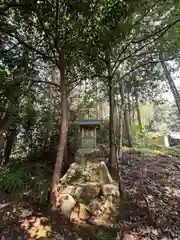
(88, 192)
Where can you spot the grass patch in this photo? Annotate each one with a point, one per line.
(155, 150)
(151, 152)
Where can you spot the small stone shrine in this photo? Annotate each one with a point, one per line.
(89, 130)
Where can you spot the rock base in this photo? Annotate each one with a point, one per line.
(88, 193)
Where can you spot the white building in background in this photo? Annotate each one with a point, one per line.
(171, 140)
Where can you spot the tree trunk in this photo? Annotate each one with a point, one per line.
(133, 110)
(129, 107)
(138, 111)
(171, 83)
(9, 144)
(121, 119)
(2, 145)
(128, 126)
(52, 96)
(4, 118)
(63, 131)
(111, 121)
(121, 187)
(97, 100)
(115, 121)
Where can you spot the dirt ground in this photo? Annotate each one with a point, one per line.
(152, 187)
(151, 209)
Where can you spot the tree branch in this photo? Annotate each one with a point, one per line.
(165, 29)
(11, 48)
(30, 47)
(48, 82)
(122, 51)
(57, 22)
(40, 19)
(6, 7)
(130, 41)
(144, 64)
(99, 76)
(145, 14)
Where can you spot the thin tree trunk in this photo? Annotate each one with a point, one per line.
(129, 107)
(121, 187)
(2, 145)
(101, 110)
(97, 102)
(128, 126)
(52, 95)
(121, 119)
(9, 145)
(133, 110)
(63, 131)
(171, 83)
(115, 120)
(4, 117)
(111, 120)
(138, 111)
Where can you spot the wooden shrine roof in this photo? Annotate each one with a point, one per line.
(89, 122)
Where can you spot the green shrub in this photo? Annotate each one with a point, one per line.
(173, 152)
(73, 137)
(42, 191)
(106, 234)
(103, 235)
(143, 139)
(14, 179)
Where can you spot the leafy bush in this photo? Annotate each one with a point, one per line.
(105, 235)
(143, 139)
(73, 137)
(103, 136)
(42, 191)
(14, 179)
(173, 152)
(150, 151)
(29, 179)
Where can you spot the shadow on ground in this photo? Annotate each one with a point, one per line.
(22, 221)
(151, 211)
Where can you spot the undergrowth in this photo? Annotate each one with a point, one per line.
(146, 143)
(26, 180)
(14, 179)
(157, 150)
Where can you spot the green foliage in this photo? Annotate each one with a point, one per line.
(172, 152)
(14, 179)
(103, 136)
(151, 151)
(144, 140)
(105, 235)
(97, 38)
(137, 131)
(41, 191)
(158, 150)
(24, 178)
(73, 137)
(166, 117)
(3, 75)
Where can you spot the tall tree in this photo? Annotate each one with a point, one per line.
(170, 81)
(112, 43)
(45, 31)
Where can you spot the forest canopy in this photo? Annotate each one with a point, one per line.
(65, 61)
